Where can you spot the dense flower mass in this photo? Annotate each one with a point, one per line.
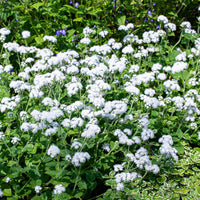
(119, 106)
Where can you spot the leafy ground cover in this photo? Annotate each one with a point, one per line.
(106, 116)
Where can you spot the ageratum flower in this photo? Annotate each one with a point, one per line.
(26, 34)
(53, 151)
(59, 189)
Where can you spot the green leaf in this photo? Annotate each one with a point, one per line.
(182, 191)
(7, 192)
(197, 189)
(79, 194)
(70, 8)
(79, 19)
(39, 40)
(179, 133)
(37, 5)
(161, 179)
(29, 147)
(121, 20)
(197, 149)
(82, 185)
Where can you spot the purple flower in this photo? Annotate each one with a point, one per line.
(54, 20)
(149, 12)
(86, 51)
(154, 4)
(157, 27)
(17, 20)
(127, 21)
(94, 26)
(145, 20)
(76, 5)
(58, 33)
(63, 32)
(71, 2)
(103, 2)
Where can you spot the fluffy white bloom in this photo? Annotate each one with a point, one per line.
(50, 39)
(170, 26)
(127, 49)
(162, 76)
(126, 28)
(76, 145)
(68, 157)
(186, 24)
(80, 157)
(37, 189)
(59, 189)
(179, 66)
(156, 67)
(90, 131)
(85, 40)
(134, 68)
(26, 34)
(2, 136)
(120, 187)
(103, 33)
(53, 151)
(162, 18)
(8, 179)
(4, 31)
(15, 140)
(149, 91)
(106, 147)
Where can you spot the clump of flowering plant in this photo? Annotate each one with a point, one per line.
(118, 114)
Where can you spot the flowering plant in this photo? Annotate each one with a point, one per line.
(78, 123)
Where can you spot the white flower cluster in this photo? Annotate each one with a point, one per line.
(162, 18)
(181, 57)
(59, 189)
(9, 103)
(123, 138)
(91, 130)
(26, 34)
(53, 151)
(170, 26)
(171, 85)
(103, 33)
(3, 33)
(125, 177)
(127, 49)
(54, 113)
(50, 39)
(166, 148)
(80, 157)
(126, 27)
(141, 159)
(179, 66)
(73, 123)
(146, 132)
(77, 105)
